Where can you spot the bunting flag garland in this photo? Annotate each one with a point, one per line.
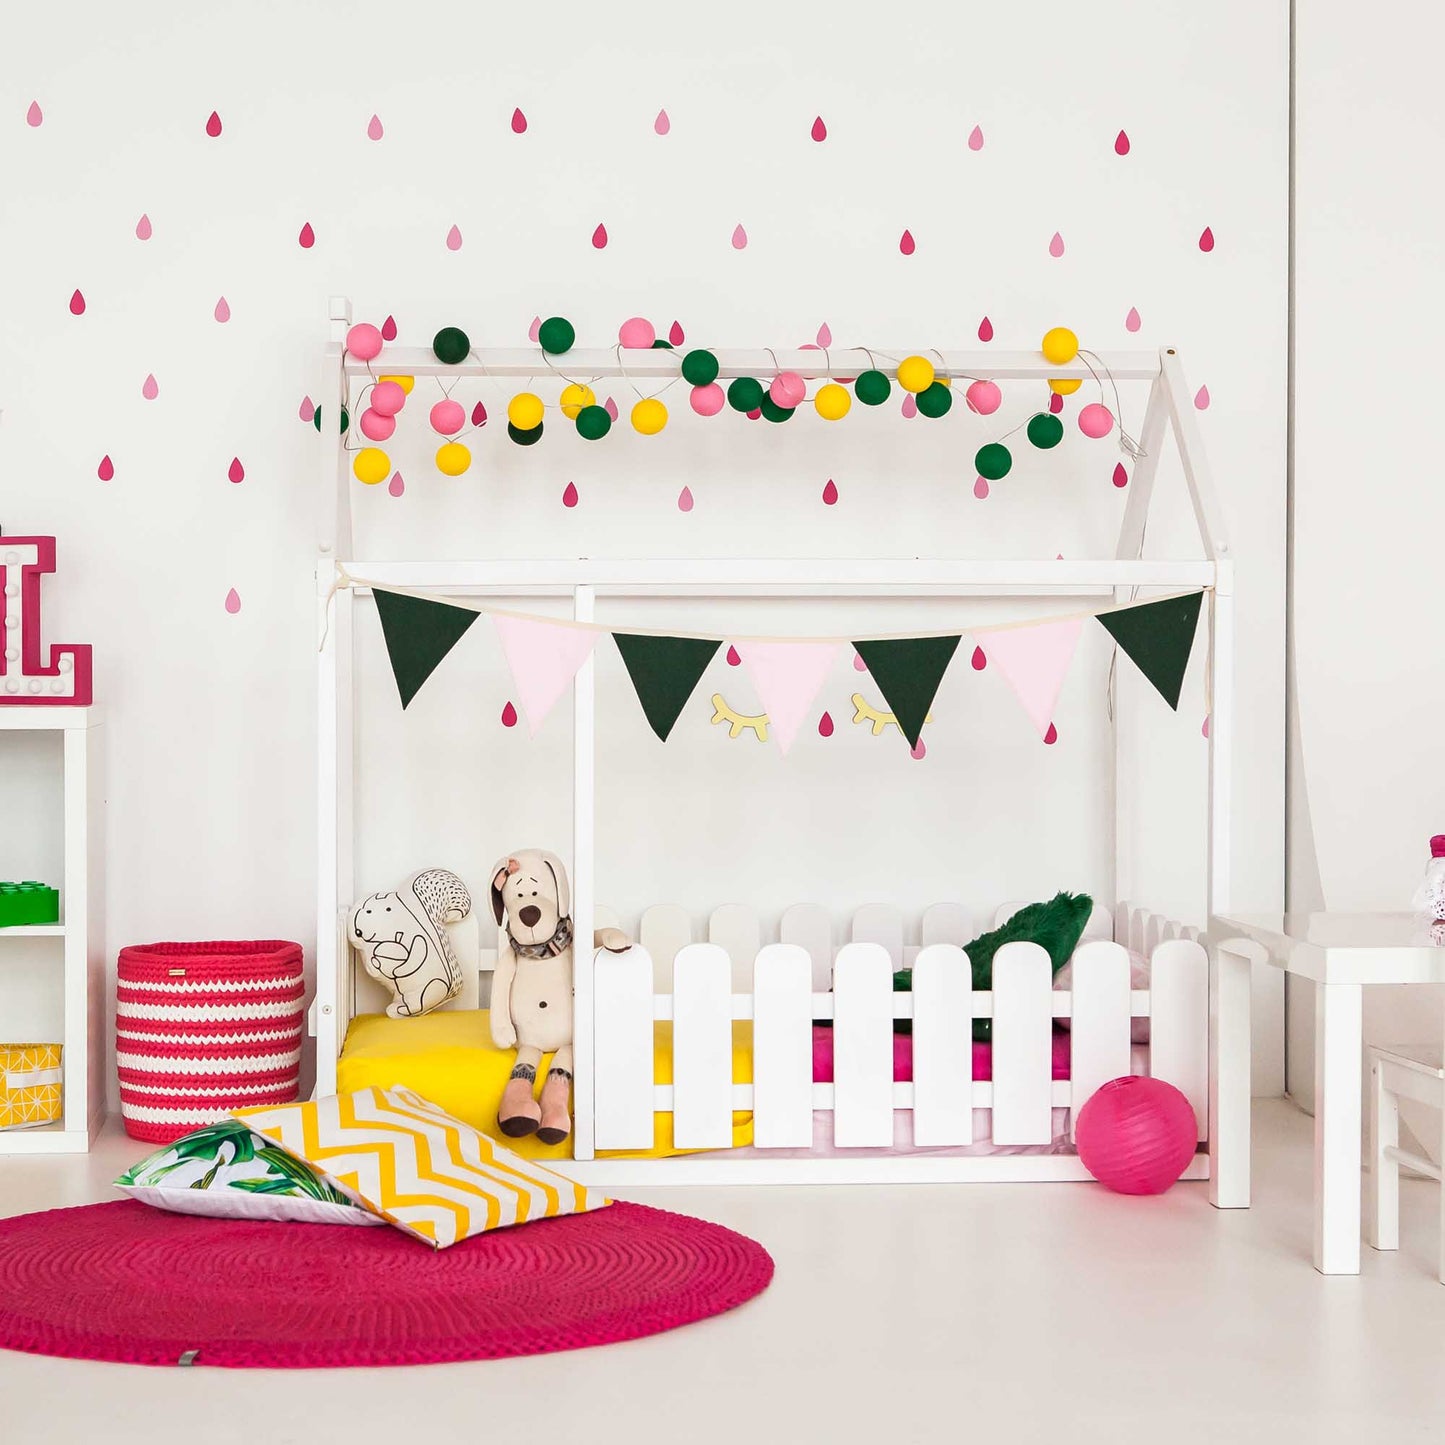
(787, 676)
(1158, 637)
(1035, 661)
(543, 658)
(664, 672)
(418, 633)
(908, 672)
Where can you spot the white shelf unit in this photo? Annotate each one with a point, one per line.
(80, 933)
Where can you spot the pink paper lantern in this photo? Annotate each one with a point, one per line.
(448, 417)
(984, 397)
(387, 397)
(788, 389)
(363, 341)
(1096, 420)
(1136, 1135)
(636, 333)
(376, 426)
(708, 400)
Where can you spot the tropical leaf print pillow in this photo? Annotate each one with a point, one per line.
(228, 1172)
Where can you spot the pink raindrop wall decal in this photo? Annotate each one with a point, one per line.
(213, 125)
(149, 389)
(454, 239)
(858, 664)
(1056, 403)
(1056, 246)
(233, 602)
(906, 243)
(307, 239)
(910, 406)
(1131, 321)
(236, 472)
(684, 500)
(733, 659)
(535, 329)
(223, 310)
(509, 713)
(1204, 727)
(1121, 144)
(825, 725)
(662, 124)
(830, 493)
(980, 488)
(755, 414)
(1206, 239)
(819, 131)
(569, 496)
(975, 139)
(479, 415)
(77, 303)
(979, 660)
(740, 237)
(388, 329)
(307, 409)
(106, 470)
(676, 334)
(1201, 398)
(143, 228)
(519, 127)
(599, 236)
(1052, 736)
(34, 116)
(610, 407)
(396, 486)
(374, 129)
(918, 751)
(985, 330)
(1121, 477)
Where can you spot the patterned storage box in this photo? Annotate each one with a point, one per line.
(31, 1090)
(205, 1028)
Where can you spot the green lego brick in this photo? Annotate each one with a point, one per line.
(28, 903)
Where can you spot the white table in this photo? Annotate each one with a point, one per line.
(1340, 952)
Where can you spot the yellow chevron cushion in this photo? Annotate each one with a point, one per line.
(420, 1169)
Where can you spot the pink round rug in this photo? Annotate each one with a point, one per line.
(126, 1282)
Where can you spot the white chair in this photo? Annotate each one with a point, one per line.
(1400, 1072)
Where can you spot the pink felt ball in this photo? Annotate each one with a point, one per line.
(1136, 1135)
(984, 397)
(788, 389)
(1096, 420)
(636, 333)
(708, 400)
(376, 426)
(387, 397)
(448, 417)
(363, 341)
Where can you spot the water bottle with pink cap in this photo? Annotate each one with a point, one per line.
(1430, 895)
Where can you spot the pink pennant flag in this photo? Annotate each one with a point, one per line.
(787, 676)
(1035, 660)
(543, 658)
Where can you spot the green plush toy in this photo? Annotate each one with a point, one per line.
(1056, 926)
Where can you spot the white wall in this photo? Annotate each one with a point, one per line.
(210, 810)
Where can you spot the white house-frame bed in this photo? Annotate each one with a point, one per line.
(782, 987)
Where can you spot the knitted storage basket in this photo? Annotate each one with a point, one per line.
(205, 1028)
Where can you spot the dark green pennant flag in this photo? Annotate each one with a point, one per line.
(1158, 638)
(664, 670)
(908, 671)
(419, 633)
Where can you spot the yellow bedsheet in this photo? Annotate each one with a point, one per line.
(448, 1058)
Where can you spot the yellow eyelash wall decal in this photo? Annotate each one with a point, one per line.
(739, 722)
(865, 712)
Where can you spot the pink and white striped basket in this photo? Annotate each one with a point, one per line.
(204, 1028)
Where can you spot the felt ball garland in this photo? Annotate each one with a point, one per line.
(556, 335)
(649, 416)
(1045, 431)
(832, 402)
(745, 393)
(371, 465)
(699, 368)
(872, 388)
(772, 411)
(451, 346)
(935, 400)
(524, 436)
(575, 398)
(593, 422)
(993, 461)
(524, 412)
(915, 373)
(453, 459)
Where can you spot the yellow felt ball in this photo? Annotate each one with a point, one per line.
(524, 411)
(832, 401)
(372, 465)
(575, 397)
(453, 459)
(1060, 345)
(915, 373)
(1066, 385)
(649, 416)
(404, 382)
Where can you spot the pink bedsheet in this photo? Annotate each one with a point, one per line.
(903, 1057)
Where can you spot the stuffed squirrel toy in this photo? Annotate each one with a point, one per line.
(532, 989)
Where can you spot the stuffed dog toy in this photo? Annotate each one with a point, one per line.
(532, 989)
(403, 943)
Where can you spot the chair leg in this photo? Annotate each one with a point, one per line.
(1384, 1171)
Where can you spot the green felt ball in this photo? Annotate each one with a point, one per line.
(935, 400)
(1045, 431)
(745, 393)
(872, 388)
(593, 423)
(993, 461)
(345, 420)
(699, 368)
(451, 345)
(556, 335)
(773, 411)
(662, 344)
(524, 438)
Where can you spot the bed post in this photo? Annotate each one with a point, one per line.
(584, 701)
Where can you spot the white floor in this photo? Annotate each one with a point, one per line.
(999, 1313)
